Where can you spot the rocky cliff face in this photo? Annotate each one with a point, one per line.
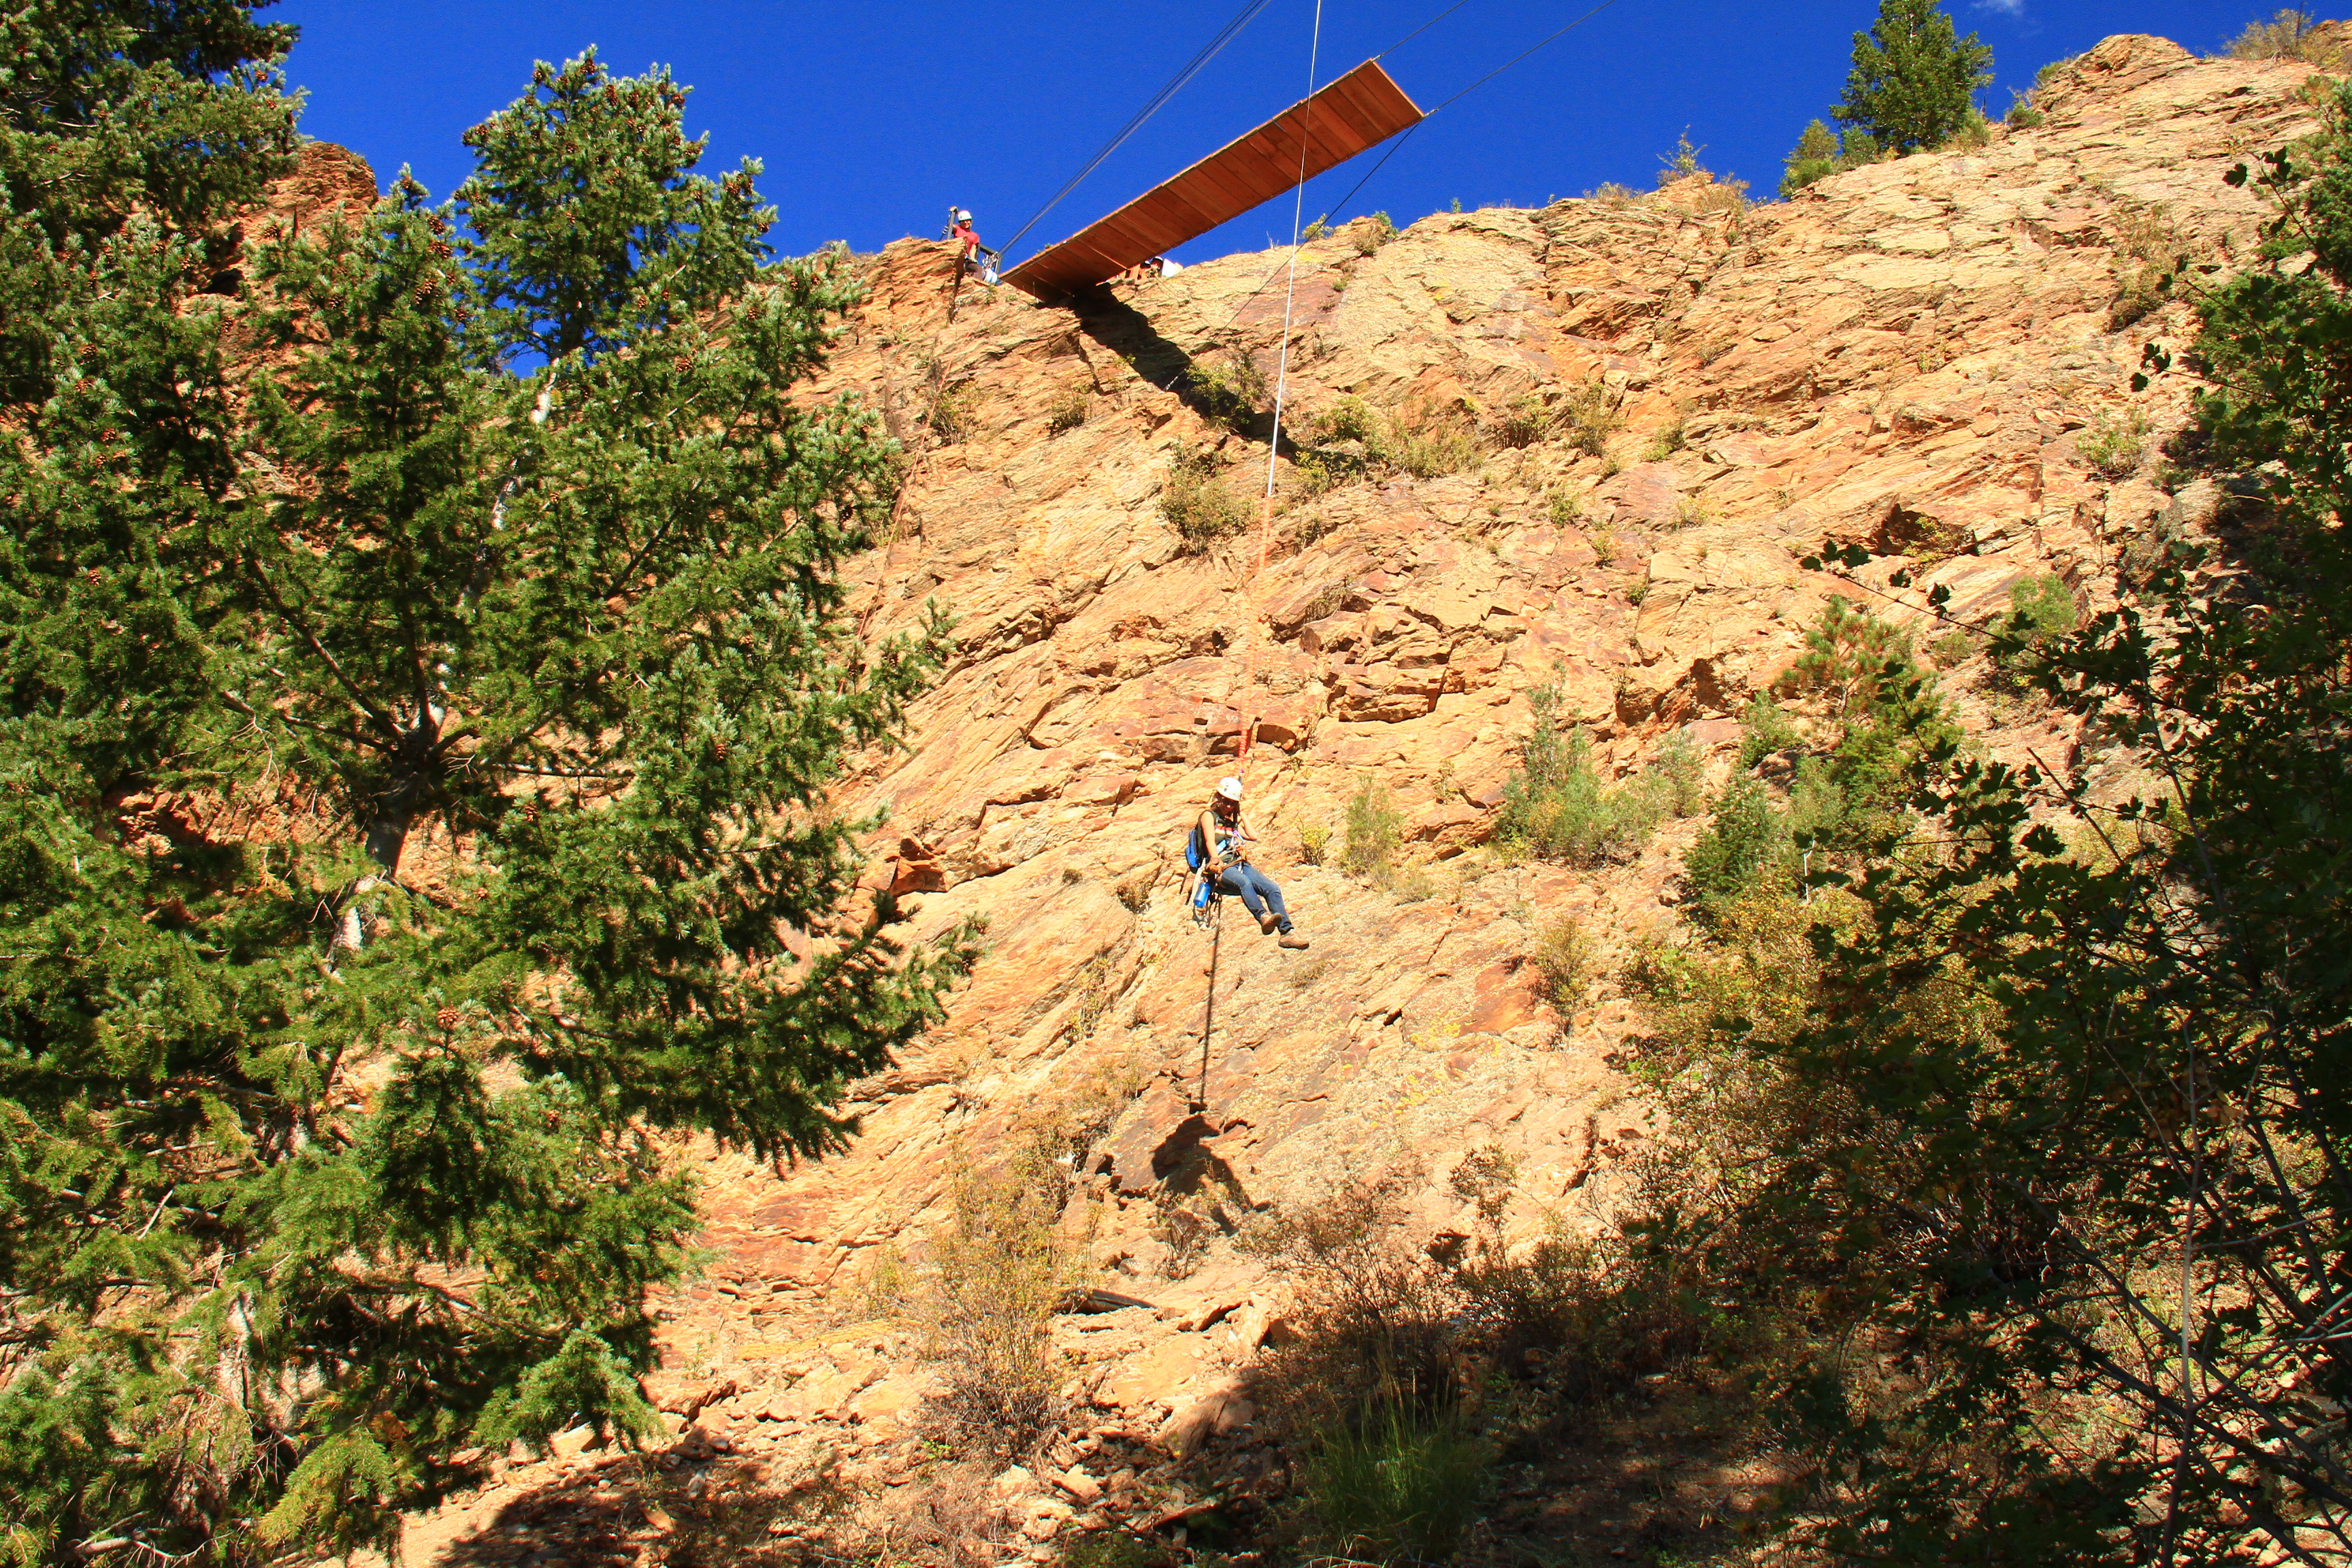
(1908, 356)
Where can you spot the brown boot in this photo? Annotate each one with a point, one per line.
(1267, 924)
(1292, 939)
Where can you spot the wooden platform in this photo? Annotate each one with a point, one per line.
(1360, 110)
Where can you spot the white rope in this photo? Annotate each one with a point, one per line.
(1290, 288)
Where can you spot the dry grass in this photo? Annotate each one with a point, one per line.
(2291, 34)
(952, 416)
(996, 1273)
(1523, 422)
(1564, 957)
(1590, 416)
(1430, 442)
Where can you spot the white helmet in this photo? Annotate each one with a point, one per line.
(962, 216)
(1230, 788)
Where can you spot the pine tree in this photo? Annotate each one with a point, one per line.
(2062, 1112)
(1815, 155)
(523, 545)
(1913, 82)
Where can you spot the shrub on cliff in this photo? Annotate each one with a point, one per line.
(2052, 1106)
(998, 1271)
(1196, 502)
(2291, 34)
(1914, 80)
(1816, 155)
(321, 1167)
(1557, 805)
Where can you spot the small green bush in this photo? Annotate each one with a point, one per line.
(1431, 443)
(1341, 443)
(1557, 805)
(1314, 841)
(1199, 505)
(1604, 546)
(1952, 650)
(1565, 506)
(1814, 157)
(1975, 132)
(985, 1308)
(1742, 842)
(1392, 1486)
(2042, 609)
(1666, 443)
(1232, 390)
(1765, 729)
(1067, 414)
(1591, 417)
(2022, 115)
(1374, 232)
(1681, 776)
(1523, 422)
(1695, 511)
(1881, 717)
(2113, 446)
(1821, 152)
(951, 417)
(1349, 419)
(1563, 957)
(1373, 830)
(2142, 292)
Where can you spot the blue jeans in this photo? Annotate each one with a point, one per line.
(1257, 892)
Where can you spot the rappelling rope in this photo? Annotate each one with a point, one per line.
(1247, 718)
(1281, 388)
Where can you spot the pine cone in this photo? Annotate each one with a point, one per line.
(446, 1017)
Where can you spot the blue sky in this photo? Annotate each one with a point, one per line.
(872, 116)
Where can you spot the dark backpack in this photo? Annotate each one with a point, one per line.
(1196, 858)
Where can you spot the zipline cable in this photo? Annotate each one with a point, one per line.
(1420, 30)
(1515, 59)
(1158, 101)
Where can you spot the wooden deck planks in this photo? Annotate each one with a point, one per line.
(1359, 111)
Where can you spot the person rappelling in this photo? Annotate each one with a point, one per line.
(974, 257)
(1218, 846)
